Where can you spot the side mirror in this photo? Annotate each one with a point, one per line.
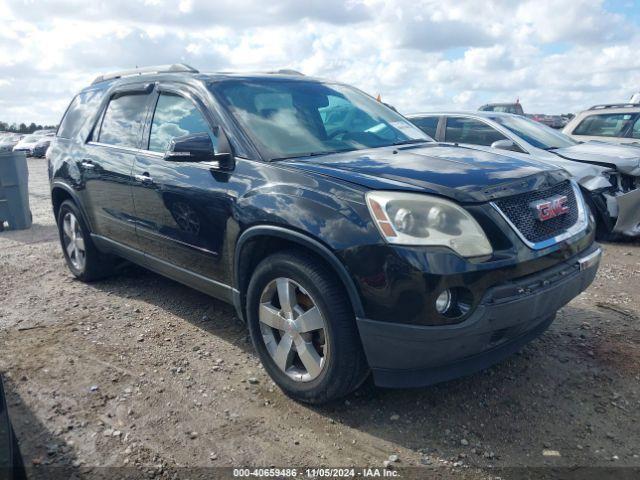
(505, 145)
(198, 147)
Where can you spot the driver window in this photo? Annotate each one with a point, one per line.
(175, 116)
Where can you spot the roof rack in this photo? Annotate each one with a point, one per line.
(288, 71)
(175, 68)
(615, 105)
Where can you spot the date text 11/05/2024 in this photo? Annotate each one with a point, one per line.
(367, 472)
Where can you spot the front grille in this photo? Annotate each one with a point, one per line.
(519, 212)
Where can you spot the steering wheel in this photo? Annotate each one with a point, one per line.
(336, 133)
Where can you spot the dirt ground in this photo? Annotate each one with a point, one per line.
(138, 371)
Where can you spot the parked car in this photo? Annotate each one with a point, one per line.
(609, 175)
(40, 148)
(613, 123)
(515, 108)
(7, 142)
(348, 243)
(28, 143)
(553, 121)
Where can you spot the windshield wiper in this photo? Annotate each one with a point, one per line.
(410, 141)
(314, 154)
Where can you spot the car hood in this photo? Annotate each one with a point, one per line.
(624, 158)
(461, 173)
(28, 143)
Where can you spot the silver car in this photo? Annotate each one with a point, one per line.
(614, 123)
(29, 142)
(608, 174)
(7, 142)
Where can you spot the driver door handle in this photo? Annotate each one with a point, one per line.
(87, 164)
(144, 178)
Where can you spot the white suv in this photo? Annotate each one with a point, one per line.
(617, 123)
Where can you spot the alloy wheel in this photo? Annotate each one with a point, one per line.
(293, 329)
(74, 241)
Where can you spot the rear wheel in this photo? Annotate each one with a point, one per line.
(303, 328)
(82, 257)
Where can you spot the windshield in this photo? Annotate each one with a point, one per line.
(535, 133)
(300, 118)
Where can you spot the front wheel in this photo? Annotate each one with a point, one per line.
(303, 328)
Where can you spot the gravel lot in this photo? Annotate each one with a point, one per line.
(140, 371)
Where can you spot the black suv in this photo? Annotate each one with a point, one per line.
(348, 241)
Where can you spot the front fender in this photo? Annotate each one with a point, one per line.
(337, 222)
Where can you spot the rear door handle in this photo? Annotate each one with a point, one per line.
(144, 178)
(87, 164)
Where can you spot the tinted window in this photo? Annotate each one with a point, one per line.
(175, 117)
(468, 130)
(606, 125)
(428, 125)
(123, 120)
(81, 107)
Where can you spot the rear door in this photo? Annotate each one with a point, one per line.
(182, 208)
(107, 163)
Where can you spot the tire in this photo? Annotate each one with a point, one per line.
(343, 366)
(604, 231)
(90, 265)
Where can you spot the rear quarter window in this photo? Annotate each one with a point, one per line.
(79, 110)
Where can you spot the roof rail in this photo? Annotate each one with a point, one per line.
(288, 71)
(176, 67)
(615, 105)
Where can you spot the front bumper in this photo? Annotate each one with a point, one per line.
(509, 316)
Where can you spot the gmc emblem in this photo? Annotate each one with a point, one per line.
(550, 208)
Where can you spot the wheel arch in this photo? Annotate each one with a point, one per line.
(61, 192)
(257, 241)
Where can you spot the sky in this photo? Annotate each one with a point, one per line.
(555, 56)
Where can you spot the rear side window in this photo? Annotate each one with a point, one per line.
(81, 107)
(605, 125)
(123, 120)
(175, 117)
(468, 130)
(428, 125)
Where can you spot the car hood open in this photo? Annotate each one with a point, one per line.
(626, 159)
(461, 173)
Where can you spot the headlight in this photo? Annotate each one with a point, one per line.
(417, 219)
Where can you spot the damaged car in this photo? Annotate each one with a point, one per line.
(609, 175)
(348, 241)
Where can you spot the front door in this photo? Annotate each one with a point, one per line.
(181, 207)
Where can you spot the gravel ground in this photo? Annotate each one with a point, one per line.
(140, 371)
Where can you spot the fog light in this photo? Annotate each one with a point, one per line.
(443, 302)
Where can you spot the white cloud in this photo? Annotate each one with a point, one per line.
(555, 55)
